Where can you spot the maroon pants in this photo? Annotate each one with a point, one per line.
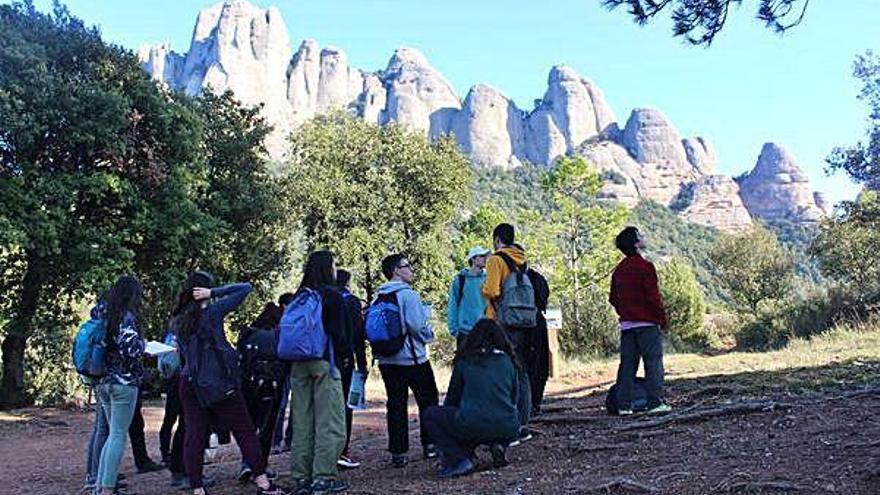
(229, 414)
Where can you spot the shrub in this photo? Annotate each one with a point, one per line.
(593, 329)
(684, 304)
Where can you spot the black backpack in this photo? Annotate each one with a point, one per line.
(258, 360)
(213, 367)
(639, 397)
(541, 288)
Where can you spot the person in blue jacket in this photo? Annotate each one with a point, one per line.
(466, 302)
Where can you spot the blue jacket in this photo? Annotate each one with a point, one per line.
(461, 317)
(413, 315)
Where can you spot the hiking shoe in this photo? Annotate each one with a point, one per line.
(625, 412)
(149, 467)
(329, 486)
(272, 490)
(399, 460)
(301, 486)
(245, 474)
(499, 455)
(430, 451)
(661, 408)
(464, 466)
(347, 462)
(524, 436)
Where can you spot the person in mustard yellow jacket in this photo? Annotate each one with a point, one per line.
(497, 270)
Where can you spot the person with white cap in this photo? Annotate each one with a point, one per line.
(466, 302)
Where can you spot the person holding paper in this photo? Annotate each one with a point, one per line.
(354, 354)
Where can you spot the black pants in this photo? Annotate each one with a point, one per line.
(398, 381)
(172, 413)
(136, 435)
(646, 344)
(175, 464)
(263, 404)
(519, 340)
(347, 372)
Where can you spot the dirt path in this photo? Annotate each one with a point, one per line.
(818, 442)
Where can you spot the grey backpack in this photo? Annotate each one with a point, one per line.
(517, 309)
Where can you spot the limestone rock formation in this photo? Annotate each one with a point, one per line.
(777, 189)
(489, 128)
(714, 201)
(243, 48)
(700, 154)
(418, 96)
(573, 110)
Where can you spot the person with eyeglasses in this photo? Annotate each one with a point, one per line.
(410, 368)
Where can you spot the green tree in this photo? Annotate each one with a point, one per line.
(584, 228)
(683, 302)
(754, 268)
(845, 244)
(103, 173)
(365, 191)
(699, 21)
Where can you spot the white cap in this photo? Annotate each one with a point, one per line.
(477, 251)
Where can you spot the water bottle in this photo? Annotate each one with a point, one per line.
(357, 397)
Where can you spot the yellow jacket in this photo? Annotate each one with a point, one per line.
(496, 273)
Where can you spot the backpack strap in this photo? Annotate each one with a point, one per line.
(510, 264)
(461, 281)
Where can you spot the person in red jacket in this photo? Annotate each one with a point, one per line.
(636, 298)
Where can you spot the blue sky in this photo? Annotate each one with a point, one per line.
(751, 86)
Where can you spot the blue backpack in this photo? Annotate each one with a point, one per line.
(384, 326)
(302, 336)
(90, 350)
(169, 362)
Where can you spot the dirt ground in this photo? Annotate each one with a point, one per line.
(726, 435)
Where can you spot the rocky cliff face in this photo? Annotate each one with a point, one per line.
(777, 189)
(240, 47)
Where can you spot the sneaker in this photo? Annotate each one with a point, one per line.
(499, 455)
(272, 490)
(245, 474)
(89, 484)
(329, 486)
(271, 475)
(524, 436)
(399, 460)
(625, 412)
(149, 467)
(301, 486)
(276, 449)
(465, 466)
(661, 408)
(430, 451)
(347, 462)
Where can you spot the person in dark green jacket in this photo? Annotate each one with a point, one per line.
(480, 406)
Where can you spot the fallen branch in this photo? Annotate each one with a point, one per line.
(749, 486)
(622, 484)
(699, 415)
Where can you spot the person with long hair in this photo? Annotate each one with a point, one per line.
(118, 389)
(481, 401)
(316, 403)
(209, 388)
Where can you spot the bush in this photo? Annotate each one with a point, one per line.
(684, 304)
(594, 330)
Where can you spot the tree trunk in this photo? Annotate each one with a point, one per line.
(12, 392)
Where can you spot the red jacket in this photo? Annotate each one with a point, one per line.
(634, 292)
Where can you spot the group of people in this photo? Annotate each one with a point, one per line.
(306, 348)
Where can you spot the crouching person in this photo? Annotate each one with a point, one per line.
(480, 406)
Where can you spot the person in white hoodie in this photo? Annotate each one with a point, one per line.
(410, 368)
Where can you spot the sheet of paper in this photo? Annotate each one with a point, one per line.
(154, 348)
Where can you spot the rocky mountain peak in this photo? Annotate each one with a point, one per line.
(777, 188)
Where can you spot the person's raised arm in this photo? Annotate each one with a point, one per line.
(227, 298)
